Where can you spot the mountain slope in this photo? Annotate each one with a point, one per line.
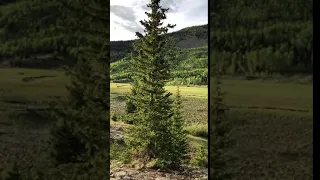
(190, 37)
(190, 67)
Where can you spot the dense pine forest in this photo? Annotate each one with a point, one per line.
(262, 37)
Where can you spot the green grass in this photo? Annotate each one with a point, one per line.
(194, 101)
(268, 95)
(192, 92)
(13, 86)
(198, 130)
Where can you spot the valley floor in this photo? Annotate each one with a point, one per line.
(272, 121)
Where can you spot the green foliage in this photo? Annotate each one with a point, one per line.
(73, 141)
(219, 135)
(199, 130)
(78, 29)
(188, 68)
(198, 34)
(152, 137)
(264, 36)
(26, 37)
(200, 158)
(114, 117)
(120, 152)
(130, 107)
(179, 141)
(66, 145)
(89, 95)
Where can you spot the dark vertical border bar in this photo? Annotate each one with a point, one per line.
(315, 107)
(209, 50)
(109, 79)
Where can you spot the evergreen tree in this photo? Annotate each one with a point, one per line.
(130, 108)
(152, 137)
(67, 145)
(219, 134)
(85, 115)
(78, 29)
(179, 143)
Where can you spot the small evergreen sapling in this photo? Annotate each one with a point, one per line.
(179, 142)
(219, 135)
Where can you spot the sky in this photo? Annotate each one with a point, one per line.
(126, 14)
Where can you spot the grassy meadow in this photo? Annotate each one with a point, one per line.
(272, 128)
(272, 121)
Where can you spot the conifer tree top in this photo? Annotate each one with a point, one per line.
(153, 26)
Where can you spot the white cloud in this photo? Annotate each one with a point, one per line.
(126, 14)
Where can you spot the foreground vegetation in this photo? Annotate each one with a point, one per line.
(265, 127)
(280, 135)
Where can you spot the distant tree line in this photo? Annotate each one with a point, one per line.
(264, 36)
(24, 36)
(190, 67)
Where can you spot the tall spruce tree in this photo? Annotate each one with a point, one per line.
(84, 119)
(152, 136)
(67, 146)
(219, 133)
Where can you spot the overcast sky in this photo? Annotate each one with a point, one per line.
(126, 14)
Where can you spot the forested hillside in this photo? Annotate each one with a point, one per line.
(262, 37)
(27, 41)
(46, 47)
(190, 37)
(190, 67)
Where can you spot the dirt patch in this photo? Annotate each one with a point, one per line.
(129, 173)
(144, 174)
(28, 79)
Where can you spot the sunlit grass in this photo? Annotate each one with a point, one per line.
(192, 91)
